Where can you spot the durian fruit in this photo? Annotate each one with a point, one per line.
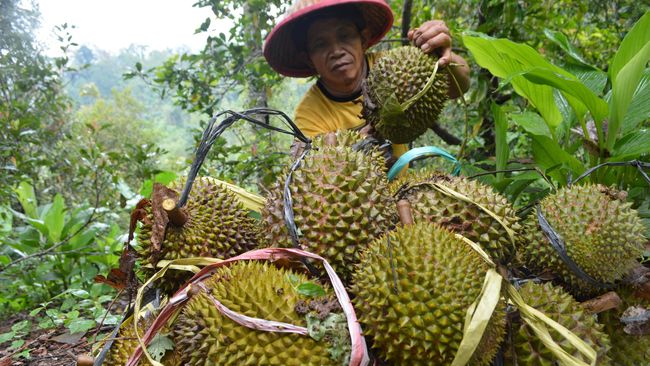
(126, 342)
(602, 234)
(627, 349)
(396, 77)
(483, 218)
(340, 204)
(415, 291)
(526, 348)
(258, 290)
(217, 226)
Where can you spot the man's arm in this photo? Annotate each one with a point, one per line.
(434, 36)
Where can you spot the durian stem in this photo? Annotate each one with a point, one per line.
(404, 212)
(176, 216)
(605, 302)
(85, 360)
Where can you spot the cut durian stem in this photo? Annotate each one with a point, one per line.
(176, 215)
(404, 212)
(605, 302)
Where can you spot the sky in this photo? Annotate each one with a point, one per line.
(112, 25)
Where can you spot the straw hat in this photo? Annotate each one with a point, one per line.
(280, 50)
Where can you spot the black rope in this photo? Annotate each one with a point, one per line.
(560, 248)
(639, 165)
(289, 218)
(212, 132)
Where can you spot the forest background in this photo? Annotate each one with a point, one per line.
(85, 134)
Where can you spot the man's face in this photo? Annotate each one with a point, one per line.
(336, 50)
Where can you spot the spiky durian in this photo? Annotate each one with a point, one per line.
(396, 77)
(217, 226)
(340, 203)
(415, 291)
(602, 235)
(483, 215)
(257, 290)
(126, 342)
(627, 349)
(526, 348)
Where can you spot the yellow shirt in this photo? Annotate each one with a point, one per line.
(320, 112)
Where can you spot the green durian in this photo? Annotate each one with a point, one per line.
(397, 76)
(126, 342)
(527, 350)
(258, 290)
(483, 219)
(217, 226)
(413, 296)
(602, 234)
(340, 204)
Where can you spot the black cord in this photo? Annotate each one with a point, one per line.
(560, 248)
(212, 132)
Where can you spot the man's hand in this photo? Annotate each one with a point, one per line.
(433, 36)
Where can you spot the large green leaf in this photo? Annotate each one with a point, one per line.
(639, 109)
(507, 60)
(634, 41)
(532, 123)
(571, 86)
(623, 90)
(548, 154)
(563, 42)
(27, 199)
(55, 219)
(632, 146)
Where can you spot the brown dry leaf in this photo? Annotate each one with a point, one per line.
(138, 214)
(160, 218)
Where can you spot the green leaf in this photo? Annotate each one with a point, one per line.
(636, 39)
(27, 199)
(639, 109)
(623, 90)
(501, 139)
(5, 337)
(548, 154)
(164, 177)
(563, 42)
(310, 289)
(159, 345)
(632, 146)
(508, 60)
(55, 219)
(17, 344)
(571, 86)
(532, 123)
(81, 325)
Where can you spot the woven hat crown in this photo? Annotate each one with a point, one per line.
(280, 49)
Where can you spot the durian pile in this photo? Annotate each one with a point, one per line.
(417, 275)
(440, 269)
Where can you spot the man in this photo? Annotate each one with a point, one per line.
(329, 38)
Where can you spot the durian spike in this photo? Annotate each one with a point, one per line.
(404, 212)
(176, 216)
(604, 302)
(330, 139)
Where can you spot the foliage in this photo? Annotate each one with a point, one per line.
(583, 117)
(32, 106)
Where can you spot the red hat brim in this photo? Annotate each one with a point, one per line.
(280, 50)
